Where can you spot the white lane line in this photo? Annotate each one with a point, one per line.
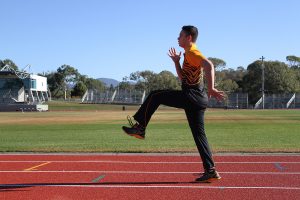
(187, 187)
(135, 162)
(148, 172)
(149, 186)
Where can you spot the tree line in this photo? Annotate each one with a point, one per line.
(280, 77)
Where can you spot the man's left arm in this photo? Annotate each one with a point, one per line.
(209, 70)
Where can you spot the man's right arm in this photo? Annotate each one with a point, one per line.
(176, 58)
(178, 70)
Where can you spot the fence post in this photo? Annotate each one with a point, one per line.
(291, 100)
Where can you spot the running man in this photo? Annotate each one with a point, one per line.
(192, 98)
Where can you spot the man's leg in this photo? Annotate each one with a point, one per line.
(196, 121)
(172, 98)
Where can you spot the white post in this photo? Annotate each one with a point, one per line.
(291, 100)
(143, 97)
(85, 95)
(32, 97)
(258, 103)
(263, 82)
(113, 96)
(237, 100)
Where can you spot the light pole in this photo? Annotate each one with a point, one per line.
(263, 82)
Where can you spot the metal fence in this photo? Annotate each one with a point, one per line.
(279, 101)
(233, 100)
(116, 96)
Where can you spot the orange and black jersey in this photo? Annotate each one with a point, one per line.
(192, 71)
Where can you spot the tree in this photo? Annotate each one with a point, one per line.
(85, 83)
(70, 74)
(126, 85)
(279, 78)
(142, 79)
(148, 80)
(94, 84)
(55, 82)
(66, 77)
(294, 61)
(218, 63)
(164, 80)
(228, 85)
(9, 63)
(231, 80)
(79, 89)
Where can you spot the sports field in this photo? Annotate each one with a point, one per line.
(73, 127)
(146, 176)
(45, 172)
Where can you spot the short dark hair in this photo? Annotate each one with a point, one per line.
(191, 30)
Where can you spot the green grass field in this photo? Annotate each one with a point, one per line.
(73, 127)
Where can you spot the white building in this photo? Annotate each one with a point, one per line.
(20, 91)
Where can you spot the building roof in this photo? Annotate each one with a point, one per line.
(8, 72)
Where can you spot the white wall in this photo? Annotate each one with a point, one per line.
(41, 83)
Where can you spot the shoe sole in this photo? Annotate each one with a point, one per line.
(210, 180)
(134, 135)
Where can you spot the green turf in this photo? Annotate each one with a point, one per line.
(76, 106)
(227, 131)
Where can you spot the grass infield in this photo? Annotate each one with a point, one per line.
(73, 127)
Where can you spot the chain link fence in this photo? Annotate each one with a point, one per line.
(233, 100)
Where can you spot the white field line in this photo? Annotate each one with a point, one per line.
(148, 172)
(135, 162)
(152, 186)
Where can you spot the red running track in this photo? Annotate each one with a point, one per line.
(144, 176)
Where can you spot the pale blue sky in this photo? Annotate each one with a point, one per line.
(116, 37)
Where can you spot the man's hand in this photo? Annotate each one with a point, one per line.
(219, 95)
(174, 56)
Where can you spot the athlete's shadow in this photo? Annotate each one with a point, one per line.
(15, 187)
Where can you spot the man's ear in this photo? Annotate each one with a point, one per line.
(189, 37)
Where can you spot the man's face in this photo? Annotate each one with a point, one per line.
(183, 39)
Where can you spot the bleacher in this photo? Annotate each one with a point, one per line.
(8, 96)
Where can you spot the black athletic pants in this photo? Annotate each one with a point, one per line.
(193, 101)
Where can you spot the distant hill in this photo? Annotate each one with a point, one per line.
(109, 81)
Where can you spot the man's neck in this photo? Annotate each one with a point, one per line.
(189, 46)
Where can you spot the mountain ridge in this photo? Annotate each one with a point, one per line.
(109, 81)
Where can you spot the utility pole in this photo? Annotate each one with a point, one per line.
(263, 82)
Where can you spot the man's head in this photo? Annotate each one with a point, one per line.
(187, 36)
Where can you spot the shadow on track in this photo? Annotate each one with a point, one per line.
(12, 187)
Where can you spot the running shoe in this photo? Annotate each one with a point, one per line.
(208, 177)
(134, 130)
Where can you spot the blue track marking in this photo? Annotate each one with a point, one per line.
(279, 167)
(96, 180)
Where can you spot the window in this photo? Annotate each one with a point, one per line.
(33, 84)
